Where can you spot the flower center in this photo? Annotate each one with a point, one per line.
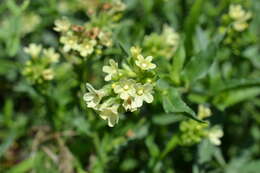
(140, 92)
(144, 65)
(113, 85)
(126, 87)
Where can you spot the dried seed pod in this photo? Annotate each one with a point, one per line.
(106, 6)
(93, 33)
(77, 28)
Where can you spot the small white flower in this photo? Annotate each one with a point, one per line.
(111, 70)
(129, 104)
(119, 5)
(125, 88)
(203, 112)
(70, 42)
(240, 17)
(93, 97)
(30, 22)
(48, 74)
(143, 93)
(51, 54)
(236, 12)
(171, 36)
(87, 47)
(110, 113)
(215, 134)
(135, 51)
(62, 25)
(240, 26)
(105, 38)
(145, 63)
(33, 49)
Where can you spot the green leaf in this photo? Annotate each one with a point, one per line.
(152, 147)
(13, 7)
(170, 146)
(191, 22)
(162, 85)
(178, 62)
(205, 152)
(231, 97)
(173, 103)
(6, 66)
(236, 83)
(25, 4)
(124, 48)
(26, 165)
(8, 111)
(200, 64)
(13, 46)
(166, 119)
(251, 167)
(202, 39)
(8, 141)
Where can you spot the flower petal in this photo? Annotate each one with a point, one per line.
(148, 98)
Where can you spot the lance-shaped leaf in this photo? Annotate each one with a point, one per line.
(200, 64)
(173, 103)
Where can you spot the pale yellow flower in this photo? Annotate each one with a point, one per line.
(143, 93)
(70, 42)
(87, 47)
(119, 5)
(215, 134)
(105, 38)
(110, 113)
(48, 74)
(111, 70)
(171, 36)
(236, 12)
(145, 63)
(135, 51)
(33, 49)
(240, 17)
(30, 21)
(240, 26)
(62, 25)
(125, 88)
(93, 97)
(51, 54)
(129, 104)
(203, 112)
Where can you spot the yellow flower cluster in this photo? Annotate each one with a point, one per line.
(82, 39)
(130, 87)
(162, 45)
(193, 132)
(240, 17)
(39, 68)
(92, 7)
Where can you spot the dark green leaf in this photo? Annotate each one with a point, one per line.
(173, 103)
(200, 64)
(191, 22)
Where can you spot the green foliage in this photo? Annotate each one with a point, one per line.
(178, 80)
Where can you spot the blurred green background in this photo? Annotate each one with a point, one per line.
(55, 132)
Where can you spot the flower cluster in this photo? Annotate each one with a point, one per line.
(239, 17)
(110, 7)
(92, 7)
(30, 22)
(39, 68)
(84, 39)
(193, 132)
(129, 87)
(163, 45)
(234, 25)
